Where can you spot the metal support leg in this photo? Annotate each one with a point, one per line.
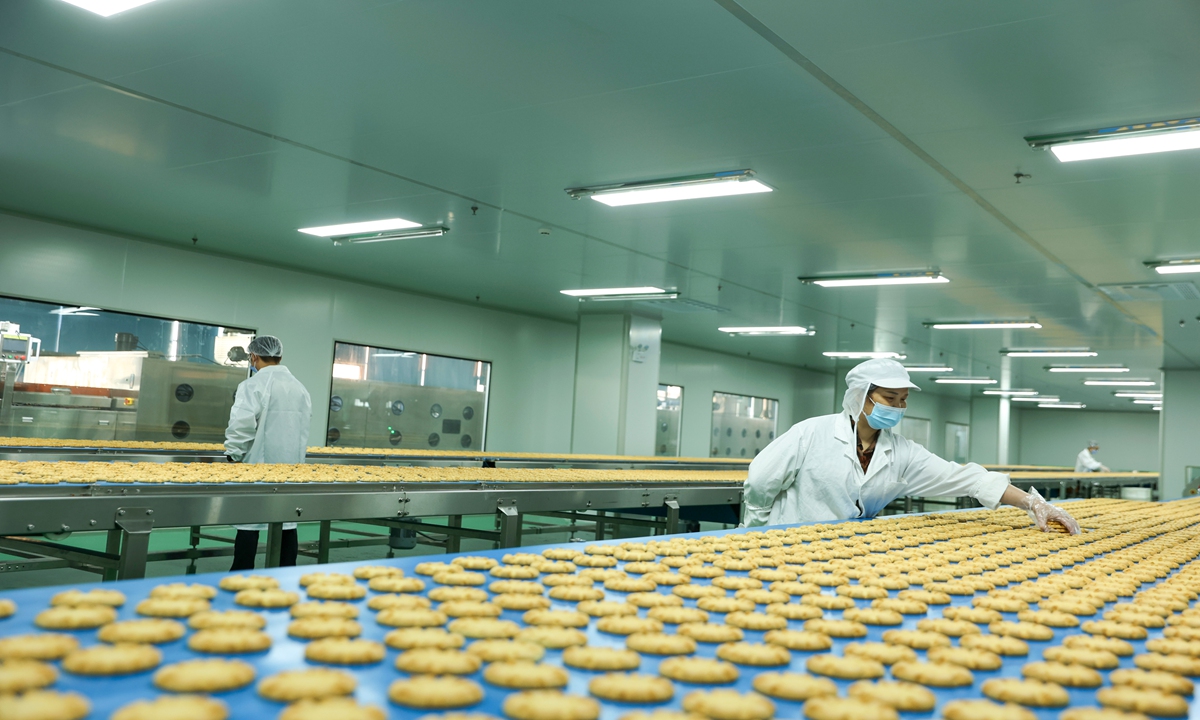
(323, 542)
(453, 539)
(510, 526)
(907, 504)
(274, 544)
(672, 525)
(599, 524)
(135, 546)
(112, 546)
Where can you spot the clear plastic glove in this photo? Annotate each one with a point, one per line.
(1043, 513)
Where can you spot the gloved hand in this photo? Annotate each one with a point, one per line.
(1043, 513)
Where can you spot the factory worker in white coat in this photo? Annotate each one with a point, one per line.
(1084, 462)
(851, 464)
(267, 424)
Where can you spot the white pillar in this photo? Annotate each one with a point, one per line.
(616, 381)
(1005, 419)
(1177, 432)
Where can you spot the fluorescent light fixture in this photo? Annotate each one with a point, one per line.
(1157, 407)
(1037, 399)
(1088, 369)
(1175, 267)
(864, 355)
(1048, 352)
(75, 311)
(768, 330)
(929, 368)
(108, 8)
(360, 228)
(624, 293)
(928, 277)
(964, 380)
(1063, 405)
(414, 234)
(1011, 393)
(1030, 324)
(1122, 383)
(1139, 395)
(1148, 402)
(347, 371)
(1140, 139)
(733, 182)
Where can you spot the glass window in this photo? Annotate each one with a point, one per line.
(742, 425)
(670, 420)
(916, 429)
(958, 442)
(83, 373)
(381, 397)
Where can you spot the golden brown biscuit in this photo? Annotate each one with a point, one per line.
(729, 705)
(469, 608)
(1178, 664)
(724, 605)
(270, 598)
(576, 593)
(344, 651)
(628, 625)
(1093, 713)
(601, 658)
(970, 658)
(757, 621)
(917, 639)
(847, 668)
(75, 617)
(553, 637)
(977, 615)
(550, 705)
(422, 637)
(795, 611)
(660, 643)
(705, 671)
(20, 675)
(457, 593)
(1152, 680)
(191, 676)
(802, 640)
(945, 626)
(677, 615)
(835, 708)
(525, 675)
(836, 628)
(324, 609)
(1151, 702)
(236, 583)
(293, 685)
(320, 627)
(984, 710)
(1021, 630)
(369, 572)
(95, 596)
(8, 608)
(828, 602)
(904, 607)
(396, 584)
(45, 646)
(402, 617)
(1065, 675)
(121, 659)
(227, 641)
(999, 644)
(142, 631)
(400, 602)
(497, 650)
(191, 707)
(794, 686)
(556, 618)
(436, 661)
(933, 673)
(605, 609)
(1109, 628)
(881, 652)
(1116, 646)
(761, 655)
(711, 632)
(342, 708)
(907, 697)
(194, 590)
(874, 616)
(1101, 659)
(632, 688)
(473, 562)
(430, 692)
(1049, 618)
(44, 705)
(1174, 646)
(514, 601)
(1034, 693)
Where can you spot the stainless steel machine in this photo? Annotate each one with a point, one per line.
(669, 421)
(367, 413)
(742, 425)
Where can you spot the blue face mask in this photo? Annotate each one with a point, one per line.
(884, 417)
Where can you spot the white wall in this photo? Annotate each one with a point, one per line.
(939, 410)
(801, 393)
(1128, 440)
(1180, 450)
(533, 360)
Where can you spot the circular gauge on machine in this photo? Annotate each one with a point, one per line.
(434, 439)
(465, 441)
(181, 430)
(184, 392)
(468, 412)
(397, 407)
(394, 436)
(436, 410)
(335, 403)
(332, 435)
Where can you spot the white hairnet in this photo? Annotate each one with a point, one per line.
(1093, 443)
(266, 346)
(882, 372)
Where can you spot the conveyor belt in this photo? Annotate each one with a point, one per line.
(947, 533)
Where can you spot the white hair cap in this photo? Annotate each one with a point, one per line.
(881, 372)
(266, 346)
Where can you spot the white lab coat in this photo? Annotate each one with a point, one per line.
(1084, 462)
(269, 422)
(812, 473)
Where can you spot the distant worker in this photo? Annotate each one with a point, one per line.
(851, 464)
(1084, 462)
(267, 424)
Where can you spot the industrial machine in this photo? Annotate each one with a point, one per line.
(669, 421)
(742, 425)
(368, 413)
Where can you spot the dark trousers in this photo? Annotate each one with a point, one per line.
(245, 547)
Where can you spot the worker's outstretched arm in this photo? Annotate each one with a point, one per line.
(1042, 512)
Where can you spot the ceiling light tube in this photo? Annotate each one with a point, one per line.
(1140, 139)
(1175, 267)
(1121, 383)
(622, 293)
(864, 355)
(925, 277)
(1063, 406)
(1048, 352)
(733, 182)
(1087, 369)
(1037, 399)
(108, 8)
(414, 234)
(1139, 395)
(929, 368)
(1147, 402)
(361, 228)
(964, 380)
(768, 330)
(1030, 324)
(1011, 393)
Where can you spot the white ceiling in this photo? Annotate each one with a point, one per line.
(890, 131)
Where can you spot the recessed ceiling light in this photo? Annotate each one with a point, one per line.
(964, 380)
(929, 368)
(1088, 369)
(1175, 267)
(1140, 395)
(621, 293)
(1048, 352)
(1122, 383)
(1030, 324)
(1037, 399)
(1063, 405)
(896, 278)
(733, 182)
(1140, 139)
(768, 330)
(1148, 402)
(1011, 393)
(864, 355)
(108, 8)
(360, 228)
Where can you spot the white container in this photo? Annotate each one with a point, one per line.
(1137, 493)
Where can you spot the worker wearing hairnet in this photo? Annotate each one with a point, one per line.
(267, 424)
(1084, 462)
(851, 464)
